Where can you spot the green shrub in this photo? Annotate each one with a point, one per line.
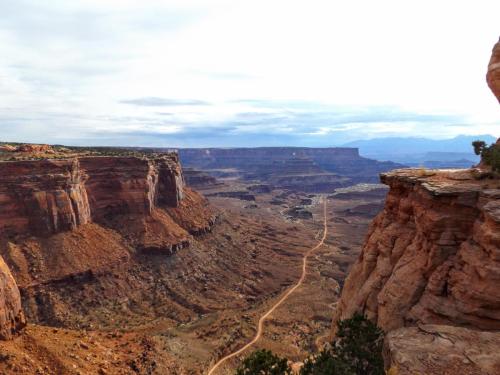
(490, 155)
(357, 350)
(264, 362)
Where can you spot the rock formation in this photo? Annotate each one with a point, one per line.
(11, 313)
(429, 271)
(296, 168)
(66, 222)
(432, 255)
(443, 350)
(42, 197)
(71, 208)
(493, 75)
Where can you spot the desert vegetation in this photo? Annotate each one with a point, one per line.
(356, 350)
(490, 155)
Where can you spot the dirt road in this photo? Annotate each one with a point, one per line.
(260, 326)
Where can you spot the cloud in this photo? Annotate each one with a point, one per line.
(163, 102)
(226, 73)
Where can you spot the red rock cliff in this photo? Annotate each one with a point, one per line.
(431, 256)
(11, 313)
(62, 218)
(493, 75)
(42, 197)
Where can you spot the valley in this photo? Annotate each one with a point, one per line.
(159, 308)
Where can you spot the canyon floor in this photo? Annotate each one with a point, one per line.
(218, 289)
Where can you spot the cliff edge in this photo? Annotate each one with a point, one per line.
(71, 220)
(493, 75)
(432, 256)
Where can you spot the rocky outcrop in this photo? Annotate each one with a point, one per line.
(431, 256)
(72, 223)
(65, 218)
(11, 314)
(444, 350)
(493, 75)
(42, 197)
(131, 185)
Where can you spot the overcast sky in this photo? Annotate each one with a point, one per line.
(180, 73)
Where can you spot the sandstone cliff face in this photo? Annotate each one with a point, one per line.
(11, 313)
(443, 350)
(432, 255)
(63, 218)
(76, 222)
(42, 197)
(130, 185)
(493, 75)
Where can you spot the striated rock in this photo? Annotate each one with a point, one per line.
(11, 314)
(131, 185)
(42, 197)
(7, 148)
(69, 217)
(493, 75)
(31, 148)
(444, 350)
(431, 256)
(300, 168)
(198, 179)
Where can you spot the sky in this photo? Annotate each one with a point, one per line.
(221, 73)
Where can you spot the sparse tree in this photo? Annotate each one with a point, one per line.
(357, 350)
(264, 362)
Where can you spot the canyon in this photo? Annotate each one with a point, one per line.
(119, 267)
(316, 170)
(110, 262)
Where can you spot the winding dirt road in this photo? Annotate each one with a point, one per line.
(260, 326)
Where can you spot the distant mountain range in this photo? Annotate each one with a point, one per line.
(452, 153)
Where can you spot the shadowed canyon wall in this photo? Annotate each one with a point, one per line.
(11, 313)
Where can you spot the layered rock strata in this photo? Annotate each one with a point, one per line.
(62, 218)
(431, 256)
(42, 197)
(11, 314)
(81, 221)
(296, 168)
(493, 75)
(443, 350)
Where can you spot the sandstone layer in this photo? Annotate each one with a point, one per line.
(11, 313)
(68, 221)
(493, 75)
(42, 197)
(432, 255)
(444, 350)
